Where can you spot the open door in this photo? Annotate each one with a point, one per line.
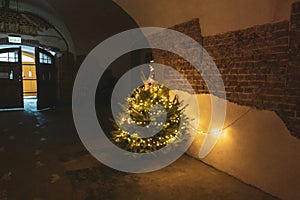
(46, 74)
(11, 86)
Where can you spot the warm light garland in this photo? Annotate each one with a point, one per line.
(222, 129)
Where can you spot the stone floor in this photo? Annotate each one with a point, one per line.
(41, 157)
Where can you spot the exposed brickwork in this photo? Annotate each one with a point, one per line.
(292, 115)
(253, 63)
(260, 66)
(192, 29)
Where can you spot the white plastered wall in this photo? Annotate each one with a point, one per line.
(257, 148)
(216, 16)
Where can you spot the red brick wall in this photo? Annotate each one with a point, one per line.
(292, 114)
(260, 66)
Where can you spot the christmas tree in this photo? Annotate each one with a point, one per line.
(152, 107)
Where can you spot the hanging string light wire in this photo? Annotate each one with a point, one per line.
(226, 127)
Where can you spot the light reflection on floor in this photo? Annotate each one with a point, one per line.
(30, 103)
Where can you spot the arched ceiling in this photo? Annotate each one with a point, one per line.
(84, 24)
(43, 9)
(89, 22)
(216, 16)
(92, 21)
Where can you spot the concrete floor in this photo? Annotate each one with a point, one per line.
(41, 157)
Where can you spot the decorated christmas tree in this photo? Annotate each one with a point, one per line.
(154, 107)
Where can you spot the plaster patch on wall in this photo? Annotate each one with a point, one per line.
(257, 149)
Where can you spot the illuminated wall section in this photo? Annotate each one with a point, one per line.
(260, 69)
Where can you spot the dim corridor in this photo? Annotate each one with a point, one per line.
(41, 158)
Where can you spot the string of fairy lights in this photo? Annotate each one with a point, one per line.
(140, 109)
(224, 128)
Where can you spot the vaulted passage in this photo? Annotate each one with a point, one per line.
(85, 114)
